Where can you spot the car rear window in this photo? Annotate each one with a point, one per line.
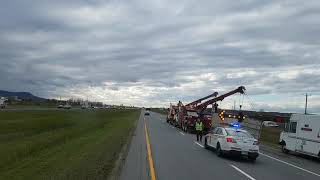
(238, 133)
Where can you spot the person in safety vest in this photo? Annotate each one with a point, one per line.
(199, 129)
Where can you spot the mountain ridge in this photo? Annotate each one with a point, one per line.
(21, 95)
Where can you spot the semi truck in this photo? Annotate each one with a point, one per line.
(2, 103)
(302, 135)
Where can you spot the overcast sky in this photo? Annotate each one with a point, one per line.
(153, 52)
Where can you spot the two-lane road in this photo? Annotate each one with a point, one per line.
(177, 156)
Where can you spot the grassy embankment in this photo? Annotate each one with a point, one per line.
(62, 144)
(270, 136)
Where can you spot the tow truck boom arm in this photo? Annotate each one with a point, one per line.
(215, 94)
(200, 108)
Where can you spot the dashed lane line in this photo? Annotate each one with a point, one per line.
(242, 172)
(198, 144)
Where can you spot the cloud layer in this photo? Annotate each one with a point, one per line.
(151, 53)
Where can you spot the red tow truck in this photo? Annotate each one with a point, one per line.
(185, 116)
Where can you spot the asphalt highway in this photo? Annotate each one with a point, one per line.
(175, 155)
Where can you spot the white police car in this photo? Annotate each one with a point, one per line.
(232, 141)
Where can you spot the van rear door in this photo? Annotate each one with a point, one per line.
(291, 140)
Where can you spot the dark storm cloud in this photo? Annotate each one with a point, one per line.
(159, 51)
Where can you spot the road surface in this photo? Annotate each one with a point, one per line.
(176, 156)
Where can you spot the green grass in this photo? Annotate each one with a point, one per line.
(270, 135)
(62, 144)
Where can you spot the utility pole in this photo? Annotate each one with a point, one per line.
(306, 105)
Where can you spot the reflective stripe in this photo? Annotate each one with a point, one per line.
(199, 126)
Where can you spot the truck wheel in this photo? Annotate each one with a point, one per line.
(206, 143)
(284, 149)
(219, 151)
(252, 159)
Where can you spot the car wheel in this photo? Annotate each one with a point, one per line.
(206, 143)
(219, 151)
(284, 149)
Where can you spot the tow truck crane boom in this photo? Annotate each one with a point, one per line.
(200, 108)
(194, 103)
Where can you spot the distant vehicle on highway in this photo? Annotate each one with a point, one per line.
(302, 135)
(147, 113)
(67, 106)
(2, 103)
(84, 107)
(270, 124)
(232, 141)
(60, 106)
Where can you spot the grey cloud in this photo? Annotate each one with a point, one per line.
(49, 47)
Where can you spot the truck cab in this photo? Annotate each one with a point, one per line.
(302, 135)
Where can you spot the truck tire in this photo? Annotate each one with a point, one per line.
(219, 151)
(252, 159)
(283, 148)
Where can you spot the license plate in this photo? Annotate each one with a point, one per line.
(244, 152)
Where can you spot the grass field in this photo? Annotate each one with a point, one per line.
(270, 135)
(62, 144)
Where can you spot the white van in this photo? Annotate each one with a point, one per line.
(302, 135)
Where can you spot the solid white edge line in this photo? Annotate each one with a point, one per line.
(242, 172)
(182, 133)
(289, 164)
(198, 144)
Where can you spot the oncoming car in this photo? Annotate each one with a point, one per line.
(147, 113)
(232, 141)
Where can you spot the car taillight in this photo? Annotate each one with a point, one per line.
(256, 143)
(231, 140)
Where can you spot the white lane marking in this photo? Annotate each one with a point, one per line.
(198, 144)
(242, 172)
(182, 133)
(289, 164)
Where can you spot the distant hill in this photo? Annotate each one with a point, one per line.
(21, 95)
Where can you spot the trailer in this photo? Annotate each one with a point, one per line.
(302, 135)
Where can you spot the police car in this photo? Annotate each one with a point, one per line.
(232, 140)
